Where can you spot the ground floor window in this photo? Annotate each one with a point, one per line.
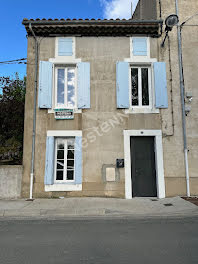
(64, 159)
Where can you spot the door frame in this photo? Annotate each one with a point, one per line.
(157, 134)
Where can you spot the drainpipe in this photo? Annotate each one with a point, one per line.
(183, 102)
(34, 113)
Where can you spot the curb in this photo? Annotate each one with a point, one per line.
(100, 213)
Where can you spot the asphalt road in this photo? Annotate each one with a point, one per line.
(172, 241)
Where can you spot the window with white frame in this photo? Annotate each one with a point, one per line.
(64, 159)
(65, 87)
(141, 90)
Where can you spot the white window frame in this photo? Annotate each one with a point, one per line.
(63, 58)
(65, 67)
(150, 90)
(160, 182)
(144, 108)
(65, 161)
(140, 58)
(64, 186)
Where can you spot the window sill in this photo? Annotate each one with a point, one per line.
(141, 111)
(140, 59)
(64, 60)
(64, 187)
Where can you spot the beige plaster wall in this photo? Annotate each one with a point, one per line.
(103, 53)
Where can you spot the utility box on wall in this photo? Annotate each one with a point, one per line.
(110, 173)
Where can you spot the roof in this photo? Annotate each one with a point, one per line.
(145, 9)
(92, 27)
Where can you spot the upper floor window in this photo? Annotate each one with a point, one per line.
(65, 47)
(64, 159)
(65, 87)
(140, 46)
(141, 86)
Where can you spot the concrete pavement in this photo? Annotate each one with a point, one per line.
(74, 207)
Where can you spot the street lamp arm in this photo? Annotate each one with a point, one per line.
(182, 24)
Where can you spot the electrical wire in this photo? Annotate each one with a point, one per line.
(17, 61)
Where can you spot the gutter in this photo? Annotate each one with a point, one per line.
(34, 113)
(182, 88)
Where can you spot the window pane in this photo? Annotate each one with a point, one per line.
(70, 154)
(70, 143)
(60, 154)
(145, 87)
(71, 87)
(70, 164)
(60, 146)
(134, 82)
(60, 164)
(70, 175)
(59, 175)
(60, 86)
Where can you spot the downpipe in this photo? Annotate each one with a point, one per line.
(34, 114)
(183, 103)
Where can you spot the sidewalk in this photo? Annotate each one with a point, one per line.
(80, 207)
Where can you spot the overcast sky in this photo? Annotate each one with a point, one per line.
(13, 44)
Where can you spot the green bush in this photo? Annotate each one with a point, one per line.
(12, 101)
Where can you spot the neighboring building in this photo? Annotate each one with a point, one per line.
(108, 93)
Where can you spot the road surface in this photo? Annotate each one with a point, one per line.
(113, 241)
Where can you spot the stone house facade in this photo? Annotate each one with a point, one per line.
(108, 109)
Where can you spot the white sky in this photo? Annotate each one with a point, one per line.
(118, 8)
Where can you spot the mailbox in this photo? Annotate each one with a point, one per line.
(120, 163)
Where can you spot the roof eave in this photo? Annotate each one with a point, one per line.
(92, 27)
(91, 22)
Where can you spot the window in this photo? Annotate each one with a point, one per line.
(65, 48)
(65, 84)
(140, 46)
(64, 159)
(140, 92)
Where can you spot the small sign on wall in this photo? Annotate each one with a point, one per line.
(63, 114)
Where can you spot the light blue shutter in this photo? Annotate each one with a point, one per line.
(139, 46)
(49, 161)
(65, 47)
(83, 85)
(78, 160)
(122, 84)
(45, 85)
(161, 95)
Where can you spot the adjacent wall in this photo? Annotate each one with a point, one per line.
(172, 122)
(10, 181)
